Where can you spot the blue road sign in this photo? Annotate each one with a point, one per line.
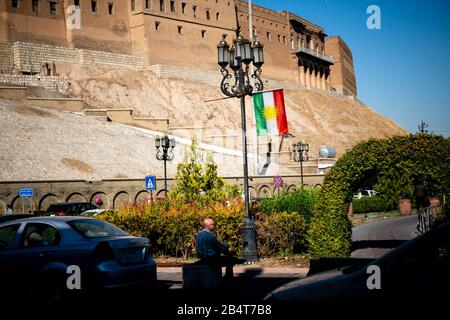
(26, 192)
(150, 183)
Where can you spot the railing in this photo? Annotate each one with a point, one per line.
(426, 218)
(314, 53)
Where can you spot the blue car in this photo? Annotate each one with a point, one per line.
(53, 256)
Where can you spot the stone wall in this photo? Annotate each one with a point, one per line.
(6, 58)
(116, 192)
(51, 83)
(210, 77)
(22, 55)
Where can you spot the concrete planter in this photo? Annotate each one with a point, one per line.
(404, 206)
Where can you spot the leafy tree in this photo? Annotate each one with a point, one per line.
(198, 184)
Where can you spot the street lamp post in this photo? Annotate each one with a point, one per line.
(165, 146)
(239, 57)
(300, 150)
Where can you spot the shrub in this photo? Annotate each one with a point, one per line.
(371, 204)
(301, 201)
(172, 230)
(280, 233)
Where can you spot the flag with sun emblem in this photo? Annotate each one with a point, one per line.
(270, 113)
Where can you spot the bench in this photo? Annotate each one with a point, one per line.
(201, 276)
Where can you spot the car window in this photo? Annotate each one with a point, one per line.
(39, 235)
(7, 235)
(91, 228)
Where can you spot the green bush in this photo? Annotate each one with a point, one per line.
(280, 233)
(301, 201)
(371, 204)
(396, 163)
(172, 230)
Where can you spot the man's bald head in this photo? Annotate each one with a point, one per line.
(208, 223)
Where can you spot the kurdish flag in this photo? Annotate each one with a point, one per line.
(270, 113)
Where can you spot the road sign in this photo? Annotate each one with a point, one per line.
(150, 183)
(278, 181)
(26, 192)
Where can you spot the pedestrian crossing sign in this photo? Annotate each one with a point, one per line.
(150, 183)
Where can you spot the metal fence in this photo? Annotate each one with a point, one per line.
(426, 218)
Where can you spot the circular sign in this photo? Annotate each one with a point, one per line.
(278, 181)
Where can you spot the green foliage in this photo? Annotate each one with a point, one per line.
(396, 163)
(301, 201)
(371, 204)
(172, 230)
(280, 233)
(195, 184)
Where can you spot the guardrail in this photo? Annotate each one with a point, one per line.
(426, 217)
(310, 51)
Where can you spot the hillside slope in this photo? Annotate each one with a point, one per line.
(317, 117)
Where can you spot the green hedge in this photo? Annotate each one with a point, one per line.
(371, 204)
(172, 230)
(396, 163)
(301, 201)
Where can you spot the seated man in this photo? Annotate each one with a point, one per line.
(212, 252)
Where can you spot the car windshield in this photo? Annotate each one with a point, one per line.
(91, 228)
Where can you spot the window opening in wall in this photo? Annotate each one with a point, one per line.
(94, 6)
(194, 9)
(111, 8)
(133, 5)
(284, 39)
(147, 4)
(217, 16)
(157, 25)
(172, 6)
(207, 15)
(180, 30)
(34, 5)
(14, 3)
(161, 5)
(76, 3)
(203, 33)
(183, 6)
(279, 38)
(52, 8)
(268, 36)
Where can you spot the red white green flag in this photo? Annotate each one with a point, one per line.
(270, 113)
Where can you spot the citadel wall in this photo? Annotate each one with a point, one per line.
(175, 33)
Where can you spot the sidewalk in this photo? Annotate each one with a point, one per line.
(249, 283)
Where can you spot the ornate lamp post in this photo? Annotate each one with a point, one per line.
(165, 146)
(300, 150)
(239, 57)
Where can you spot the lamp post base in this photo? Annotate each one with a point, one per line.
(248, 234)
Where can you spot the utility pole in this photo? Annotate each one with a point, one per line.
(422, 127)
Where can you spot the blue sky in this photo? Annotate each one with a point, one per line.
(402, 69)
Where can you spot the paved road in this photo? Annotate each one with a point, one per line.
(372, 240)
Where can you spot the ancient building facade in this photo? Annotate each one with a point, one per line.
(183, 33)
(342, 71)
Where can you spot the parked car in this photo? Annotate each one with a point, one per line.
(72, 209)
(10, 217)
(364, 193)
(418, 269)
(35, 254)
